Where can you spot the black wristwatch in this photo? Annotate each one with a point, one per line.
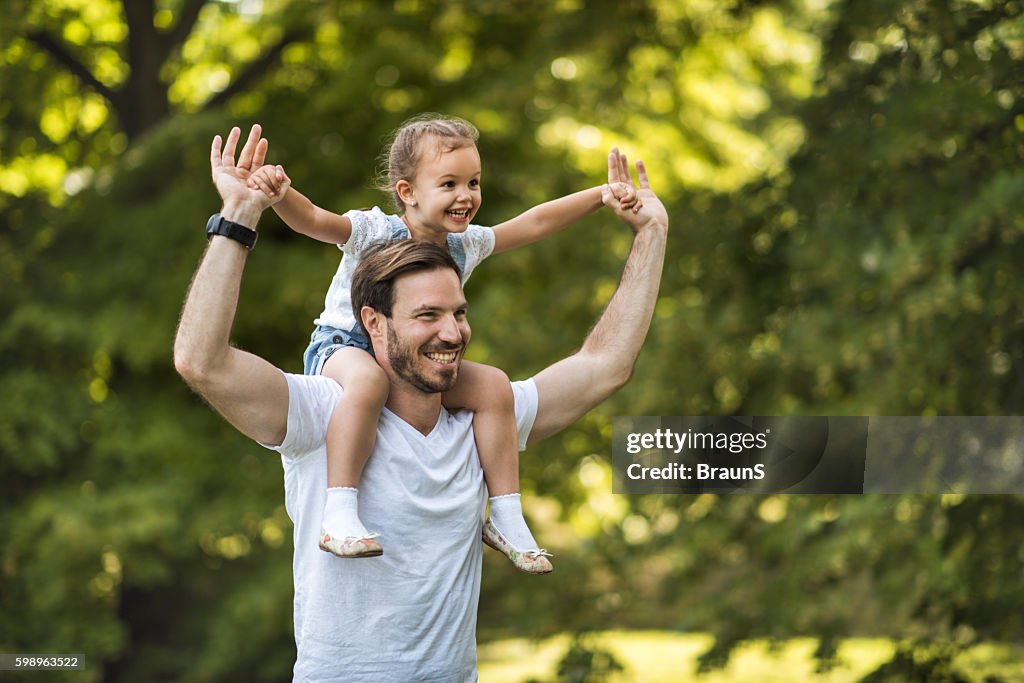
(218, 225)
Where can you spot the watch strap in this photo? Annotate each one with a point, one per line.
(218, 225)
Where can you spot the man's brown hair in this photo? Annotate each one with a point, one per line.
(373, 282)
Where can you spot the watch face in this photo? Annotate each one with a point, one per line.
(212, 224)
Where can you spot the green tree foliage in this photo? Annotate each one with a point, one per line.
(872, 276)
(844, 183)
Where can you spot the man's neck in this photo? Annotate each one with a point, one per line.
(419, 409)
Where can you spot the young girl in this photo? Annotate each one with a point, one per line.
(433, 173)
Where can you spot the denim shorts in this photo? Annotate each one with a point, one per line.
(326, 340)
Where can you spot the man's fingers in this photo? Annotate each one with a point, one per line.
(215, 153)
(641, 172)
(261, 153)
(227, 158)
(624, 170)
(245, 159)
(614, 170)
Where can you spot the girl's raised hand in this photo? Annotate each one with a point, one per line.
(272, 180)
(626, 194)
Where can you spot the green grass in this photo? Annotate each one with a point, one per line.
(656, 657)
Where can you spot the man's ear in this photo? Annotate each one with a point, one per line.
(405, 192)
(373, 321)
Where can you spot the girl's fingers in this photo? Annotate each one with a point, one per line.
(267, 190)
(271, 180)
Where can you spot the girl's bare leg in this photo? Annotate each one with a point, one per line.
(488, 392)
(351, 435)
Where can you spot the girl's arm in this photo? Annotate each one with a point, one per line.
(550, 217)
(297, 211)
(545, 219)
(305, 217)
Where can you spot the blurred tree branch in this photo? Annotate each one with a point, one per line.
(59, 52)
(255, 69)
(142, 100)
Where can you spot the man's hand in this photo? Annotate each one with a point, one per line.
(648, 209)
(242, 204)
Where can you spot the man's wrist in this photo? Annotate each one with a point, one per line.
(654, 224)
(651, 226)
(243, 213)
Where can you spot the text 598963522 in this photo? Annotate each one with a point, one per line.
(35, 662)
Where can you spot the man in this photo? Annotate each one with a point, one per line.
(409, 615)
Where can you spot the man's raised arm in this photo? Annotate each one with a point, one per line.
(248, 391)
(571, 387)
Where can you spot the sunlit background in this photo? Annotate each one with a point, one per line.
(845, 187)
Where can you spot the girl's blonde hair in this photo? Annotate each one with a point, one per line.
(404, 150)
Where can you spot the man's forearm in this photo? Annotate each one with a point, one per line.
(575, 385)
(212, 300)
(204, 330)
(248, 391)
(619, 333)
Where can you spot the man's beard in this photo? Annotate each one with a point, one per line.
(403, 362)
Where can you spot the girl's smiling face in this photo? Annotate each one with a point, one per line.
(445, 193)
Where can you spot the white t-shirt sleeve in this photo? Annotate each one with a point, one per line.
(311, 401)
(478, 243)
(526, 401)
(368, 227)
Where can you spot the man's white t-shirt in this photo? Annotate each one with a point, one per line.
(409, 615)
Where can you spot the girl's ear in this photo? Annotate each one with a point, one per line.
(405, 192)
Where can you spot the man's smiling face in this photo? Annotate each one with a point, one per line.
(428, 330)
